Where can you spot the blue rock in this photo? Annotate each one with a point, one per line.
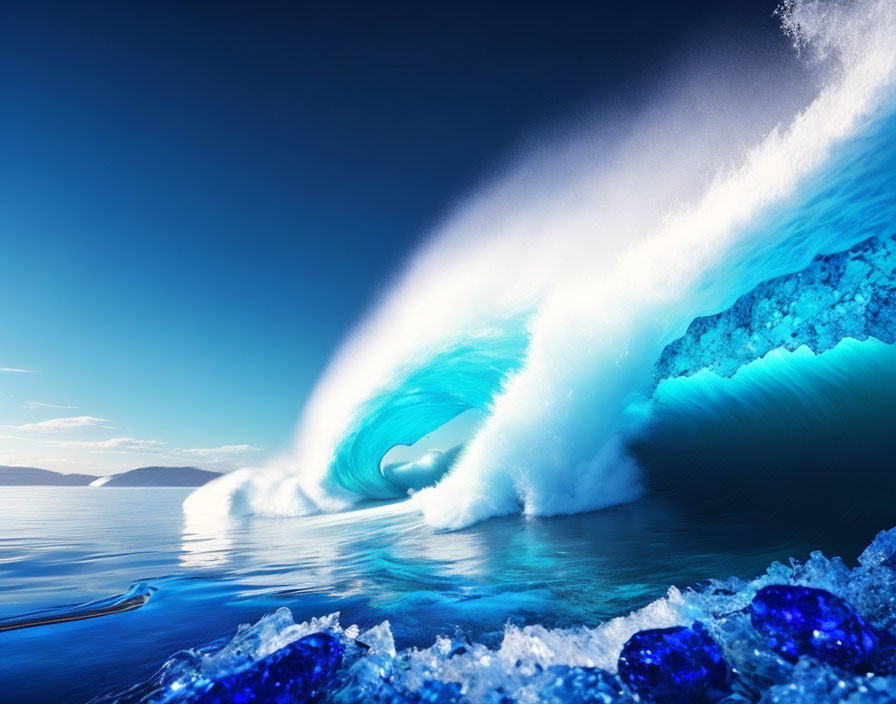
(298, 672)
(678, 665)
(798, 621)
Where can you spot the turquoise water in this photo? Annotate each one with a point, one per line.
(65, 545)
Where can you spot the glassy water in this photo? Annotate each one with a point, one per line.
(65, 545)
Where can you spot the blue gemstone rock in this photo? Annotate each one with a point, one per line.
(675, 666)
(799, 621)
(298, 672)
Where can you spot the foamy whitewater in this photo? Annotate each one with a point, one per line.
(546, 301)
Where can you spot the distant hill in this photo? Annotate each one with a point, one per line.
(143, 476)
(32, 476)
(159, 476)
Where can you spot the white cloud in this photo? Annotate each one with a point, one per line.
(117, 445)
(144, 445)
(223, 450)
(70, 423)
(33, 405)
(71, 445)
(13, 370)
(221, 458)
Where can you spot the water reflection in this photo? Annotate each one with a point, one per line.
(560, 570)
(206, 541)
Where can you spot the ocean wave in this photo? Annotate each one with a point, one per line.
(546, 301)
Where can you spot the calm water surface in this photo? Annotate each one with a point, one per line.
(64, 545)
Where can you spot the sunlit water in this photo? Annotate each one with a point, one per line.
(61, 545)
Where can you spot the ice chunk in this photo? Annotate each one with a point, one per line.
(881, 552)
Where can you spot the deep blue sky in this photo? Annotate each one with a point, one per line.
(197, 200)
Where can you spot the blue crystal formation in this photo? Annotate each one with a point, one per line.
(681, 665)
(298, 672)
(850, 294)
(797, 621)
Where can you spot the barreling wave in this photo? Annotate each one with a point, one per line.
(547, 301)
(459, 378)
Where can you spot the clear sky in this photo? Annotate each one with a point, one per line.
(198, 200)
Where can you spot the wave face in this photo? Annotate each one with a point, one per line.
(782, 437)
(547, 301)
